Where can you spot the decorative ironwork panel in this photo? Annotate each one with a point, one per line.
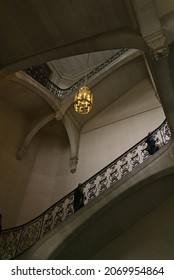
(69, 205)
(124, 168)
(135, 158)
(8, 243)
(114, 174)
(144, 152)
(103, 182)
(30, 234)
(92, 190)
(48, 221)
(165, 133)
(59, 213)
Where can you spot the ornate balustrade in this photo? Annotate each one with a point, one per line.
(61, 93)
(16, 240)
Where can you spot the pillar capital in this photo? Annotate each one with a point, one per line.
(158, 46)
(73, 164)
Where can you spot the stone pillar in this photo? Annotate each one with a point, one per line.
(159, 53)
(157, 47)
(165, 89)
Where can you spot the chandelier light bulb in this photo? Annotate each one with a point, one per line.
(83, 100)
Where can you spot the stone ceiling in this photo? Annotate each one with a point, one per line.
(74, 67)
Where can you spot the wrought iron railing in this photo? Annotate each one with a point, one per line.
(16, 240)
(61, 93)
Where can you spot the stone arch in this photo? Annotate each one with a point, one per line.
(115, 39)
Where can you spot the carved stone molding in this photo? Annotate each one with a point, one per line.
(73, 164)
(58, 115)
(21, 151)
(157, 45)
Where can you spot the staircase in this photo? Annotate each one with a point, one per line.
(15, 241)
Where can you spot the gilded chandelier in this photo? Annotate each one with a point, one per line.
(83, 100)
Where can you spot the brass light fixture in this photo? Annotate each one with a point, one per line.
(83, 100)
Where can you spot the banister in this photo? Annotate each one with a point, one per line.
(62, 93)
(14, 241)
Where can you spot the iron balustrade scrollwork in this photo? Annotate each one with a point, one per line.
(16, 240)
(62, 93)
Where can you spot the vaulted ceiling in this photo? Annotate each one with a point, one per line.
(34, 32)
(59, 33)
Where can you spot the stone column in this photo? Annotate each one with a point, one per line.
(158, 51)
(160, 56)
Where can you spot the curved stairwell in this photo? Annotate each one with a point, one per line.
(16, 240)
(62, 93)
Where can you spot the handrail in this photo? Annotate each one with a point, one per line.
(62, 93)
(16, 240)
